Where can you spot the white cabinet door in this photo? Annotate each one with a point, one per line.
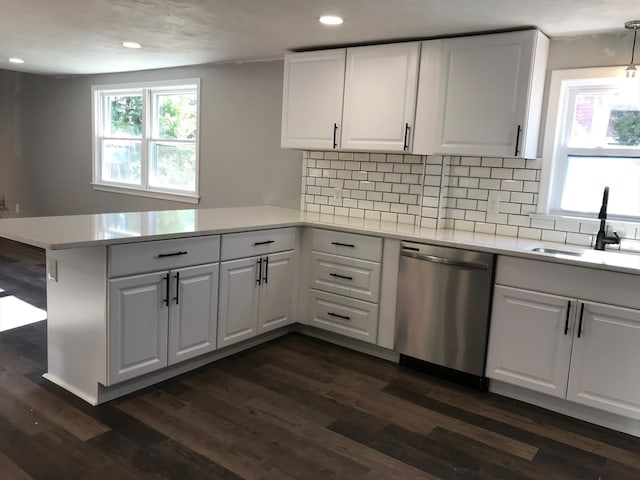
(239, 290)
(530, 340)
(489, 94)
(605, 363)
(193, 317)
(312, 99)
(138, 315)
(276, 304)
(380, 96)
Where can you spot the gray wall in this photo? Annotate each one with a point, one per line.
(241, 162)
(13, 181)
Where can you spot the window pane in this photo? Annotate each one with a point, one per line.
(121, 161)
(587, 177)
(605, 118)
(176, 116)
(124, 116)
(173, 166)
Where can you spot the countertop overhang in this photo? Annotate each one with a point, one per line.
(78, 231)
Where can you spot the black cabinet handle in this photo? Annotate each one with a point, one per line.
(566, 320)
(580, 323)
(176, 254)
(266, 270)
(343, 317)
(266, 242)
(405, 145)
(335, 135)
(412, 249)
(337, 275)
(518, 132)
(259, 279)
(177, 297)
(343, 244)
(167, 292)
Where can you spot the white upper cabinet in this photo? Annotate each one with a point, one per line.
(312, 99)
(380, 97)
(482, 95)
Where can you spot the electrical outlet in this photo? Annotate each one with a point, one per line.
(493, 203)
(17, 208)
(337, 193)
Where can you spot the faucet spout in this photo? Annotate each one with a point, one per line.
(602, 239)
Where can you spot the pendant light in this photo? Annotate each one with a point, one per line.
(632, 69)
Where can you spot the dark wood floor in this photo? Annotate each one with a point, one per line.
(296, 408)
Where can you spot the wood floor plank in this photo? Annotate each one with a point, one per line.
(11, 471)
(53, 408)
(382, 466)
(212, 444)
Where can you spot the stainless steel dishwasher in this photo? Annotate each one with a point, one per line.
(442, 315)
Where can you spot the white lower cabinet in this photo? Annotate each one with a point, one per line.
(583, 351)
(605, 361)
(255, 296)
(159, 319)
(344, 315)
(530, 340)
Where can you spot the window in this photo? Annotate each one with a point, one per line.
(146, 139)
(593, 141)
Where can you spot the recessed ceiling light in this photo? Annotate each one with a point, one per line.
(331, 20)
(16, 60)
(131, 45)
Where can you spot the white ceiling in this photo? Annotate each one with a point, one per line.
(62, 37)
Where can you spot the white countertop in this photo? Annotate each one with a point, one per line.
(75, 231)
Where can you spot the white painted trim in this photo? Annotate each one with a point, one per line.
(176, 197)
(555, 129)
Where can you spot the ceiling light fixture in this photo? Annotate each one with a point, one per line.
(16, 60)
(331, 20)
(634, 25)
(131, 45)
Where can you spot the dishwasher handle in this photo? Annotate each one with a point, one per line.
(409, 252)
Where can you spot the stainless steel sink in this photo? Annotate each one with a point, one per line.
(553, 251)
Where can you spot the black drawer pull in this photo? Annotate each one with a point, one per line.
(266, 242)
(566, 320)
(343, 317)
(176, 254)
(413, 249)
(168, 292)
(337, 275)
(339, 244)
(581, 317)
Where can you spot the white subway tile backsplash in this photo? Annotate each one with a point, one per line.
(506, 230)
(388, 217)
(502, 173)
(532, 233)
(480, 172)
(439, 192)
(491, 162)
(554, 236)
(513, 163)
(400, 188)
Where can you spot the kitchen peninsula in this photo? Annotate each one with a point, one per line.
(98, 263)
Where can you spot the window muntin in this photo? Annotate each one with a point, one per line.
(596, 144)
(146, 138)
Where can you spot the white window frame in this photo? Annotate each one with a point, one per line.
(148, 138)
(555, 150)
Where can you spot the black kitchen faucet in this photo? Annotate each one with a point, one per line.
(602, 238)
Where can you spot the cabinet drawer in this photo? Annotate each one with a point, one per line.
(347, 244)
(346, 276)
(346, 316)
(259, 242)
(143, 257)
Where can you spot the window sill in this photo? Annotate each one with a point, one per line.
(176, 197)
